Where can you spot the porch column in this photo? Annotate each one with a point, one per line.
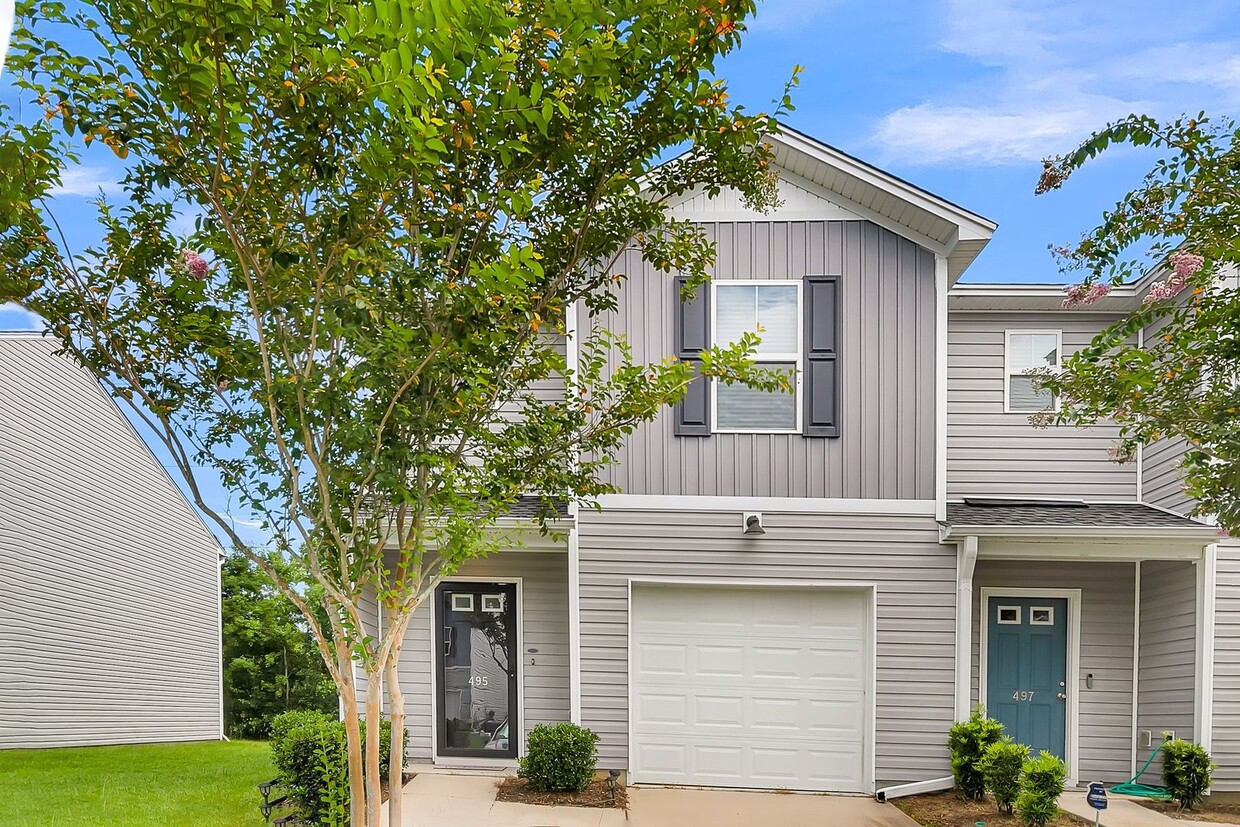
(966, 559)
(1203, 718)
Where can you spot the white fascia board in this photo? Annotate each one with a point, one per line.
(1152, 534)
(809, 505)
(970, 224)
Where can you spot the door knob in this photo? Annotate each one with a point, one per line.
(1063, 696)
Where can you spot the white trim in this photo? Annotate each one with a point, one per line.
(804, 505)
(966, 561)
(1072, 673)
(999, 615)
(455, 761)
(1136, 659)
(1007, 365)
(220, 559)
(379, 637)
(871, 745)
(940, 387)
(797, 358)
(1140, 459)
(1050, 613)
(1189, 534)
(574, 622)
(1207, 590)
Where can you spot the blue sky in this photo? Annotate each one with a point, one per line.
(962, 97)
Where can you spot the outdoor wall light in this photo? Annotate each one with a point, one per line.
(751, 523)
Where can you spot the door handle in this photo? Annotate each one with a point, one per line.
(1063, 696)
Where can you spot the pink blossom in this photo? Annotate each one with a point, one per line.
(1162, 290)
(1052, 177)
(1185, 264)
(193, 264)
(1078, 295)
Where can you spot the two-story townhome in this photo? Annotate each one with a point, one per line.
(804, 591)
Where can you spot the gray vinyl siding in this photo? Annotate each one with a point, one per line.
(1107, 591)
(1226, 731)
(109, 590)
(544, 618)
(886, 446)
(990, 452)
(368, 609)
(915, 578)
(1161, 483)
(1167, 657)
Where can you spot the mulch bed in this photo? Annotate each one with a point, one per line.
(598, 794)
(1220, 813)
(947, 810)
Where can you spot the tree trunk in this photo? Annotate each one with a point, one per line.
(396, 710)
(374, 714)
(353, 738)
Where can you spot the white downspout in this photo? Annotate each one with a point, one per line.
(940, 388)
(1207, 588)
(572, 361)
(1136, 660)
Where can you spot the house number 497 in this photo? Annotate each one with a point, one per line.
(1022, 696)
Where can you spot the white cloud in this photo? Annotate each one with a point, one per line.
(86, 181)
(1048, 74)
(15, 317)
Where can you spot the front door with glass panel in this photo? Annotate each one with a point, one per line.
(1026, 669)
(476, 663)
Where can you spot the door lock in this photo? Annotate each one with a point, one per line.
(1063, 696)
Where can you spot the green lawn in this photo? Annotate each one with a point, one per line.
(210, 783)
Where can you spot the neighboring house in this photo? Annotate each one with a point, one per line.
(109, 582)
(918, 546)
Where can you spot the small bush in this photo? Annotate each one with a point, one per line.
(967, 740)
(1001, 765)
(1187, 771)
(310, 752)
(1041, 784)
(560, 758)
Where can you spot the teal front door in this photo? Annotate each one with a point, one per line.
(1027, 669)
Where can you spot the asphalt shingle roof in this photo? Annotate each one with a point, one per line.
(984, 512)
(531, 507)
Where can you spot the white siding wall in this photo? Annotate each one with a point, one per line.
(915, 576)
(1167, 669)
(109, 595)
(1107, 591)
(990, 452)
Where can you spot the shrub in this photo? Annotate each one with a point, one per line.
(560, 757)
(967, 740)
(1187, 771)
(1000, 765)
(1041, 784)
(310, 752)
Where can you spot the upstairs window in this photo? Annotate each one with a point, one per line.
(1026, 351)
(772, 309)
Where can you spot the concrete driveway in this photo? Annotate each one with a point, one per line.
(437, 800)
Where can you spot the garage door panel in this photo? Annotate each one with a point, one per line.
(750, 687)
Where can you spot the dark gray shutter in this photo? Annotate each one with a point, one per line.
(692, 337)
(820, 386)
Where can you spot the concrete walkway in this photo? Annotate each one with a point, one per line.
(439, 800)
(1121, 812)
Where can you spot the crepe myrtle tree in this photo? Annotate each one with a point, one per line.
(399, 203)
(1183, 381)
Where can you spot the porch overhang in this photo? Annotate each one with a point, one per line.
(1072, 521)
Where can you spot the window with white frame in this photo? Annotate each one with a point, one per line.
(1026, 351)
(772, 309)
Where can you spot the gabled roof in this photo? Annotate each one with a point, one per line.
(891, 202)
(74, 472)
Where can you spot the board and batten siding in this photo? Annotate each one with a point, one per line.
(1167, 654)
(544, 622)
(915, 577)
(993, 453)
(1107, 591)
(1225, 748)
(109, 583)
(886, 446)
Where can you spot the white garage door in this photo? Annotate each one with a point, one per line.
(750, 687)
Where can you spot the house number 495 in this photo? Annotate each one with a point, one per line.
(1022, 696)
